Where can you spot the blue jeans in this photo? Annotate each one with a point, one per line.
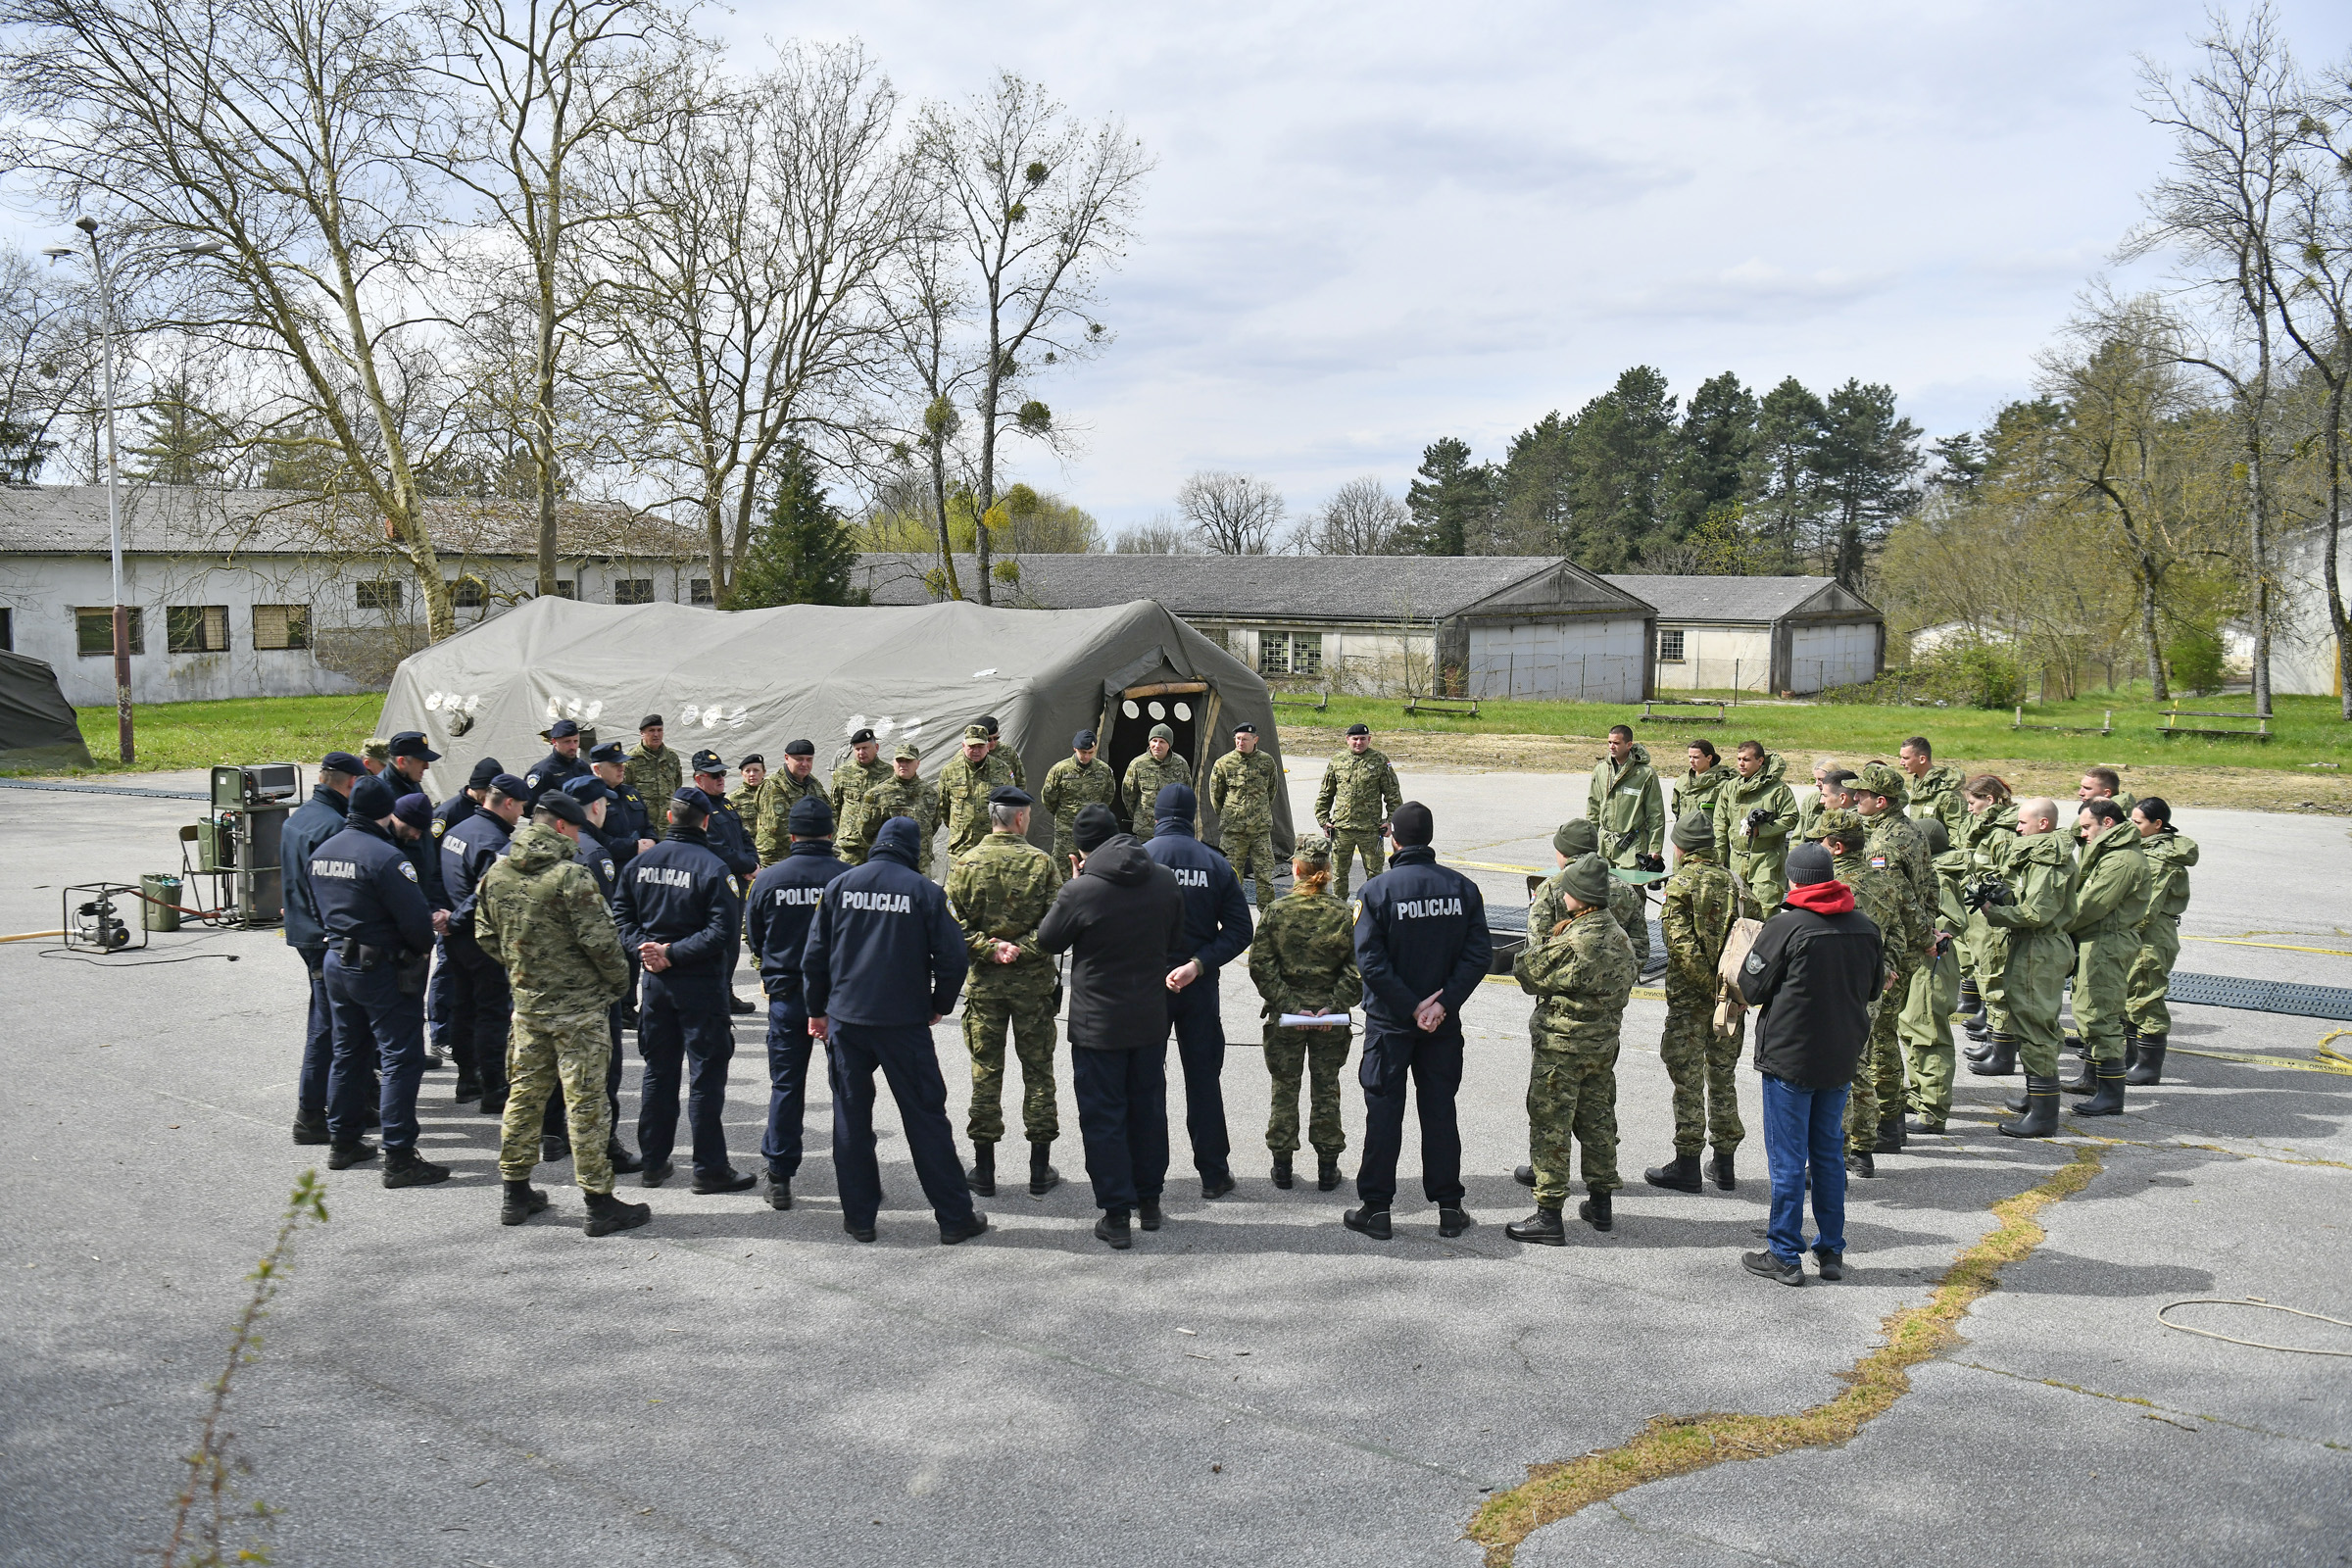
(905, 1056)
(1804, 1128)
(789, 1047)
(374, 1024)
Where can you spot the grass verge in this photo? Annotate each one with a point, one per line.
(1678, 1444)
(172, 736)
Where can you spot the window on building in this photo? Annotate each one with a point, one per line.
(196, 629)
(567, 588)
(467, 593)
(8, 630)
(632, 590)
(1670, 646)
(1307, 653)
(1290, 653)
(697, 590)
(280, 626)
(94, 632)
(382, 594)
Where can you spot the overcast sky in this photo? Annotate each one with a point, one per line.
(1373, 225)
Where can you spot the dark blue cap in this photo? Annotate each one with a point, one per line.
(811, 817)
(562, 728)
(509, 785)
(692, 799)
(342, 762)
(411, 743)
(373, 799)
(586, 789)
(1083, 741)
(415, 809)
(608, 752)
(707, 760)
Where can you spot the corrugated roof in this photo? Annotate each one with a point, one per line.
(1741, 598)
(1270, 587)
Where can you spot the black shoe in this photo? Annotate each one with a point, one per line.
(1217, 1186)
(1595, 1212)
(1369, 1221)
(1282, 1172)
(1525, 1175)
(2040, 1118)
(1147, 1213)
(342, 1156)
(982, 1177)
(466, 1089)
(1998, 1063)
(309, 1127)
(857, 1232)
(2085, 1080)
(1891, 1136)
(1679, 1174)
(1543, 1228)
(977, 1225)
(2148, 1066)
(607, 1214)
(554, 1151)
(1043, 1177)
(656, 1175)
(1327, 1173)
(732, 1181)
(494, 1105)
(405, 1168)
(1452, 1222)
(1772, 1269)
(434, 1061)
(2109, 1100)
(1831, 1265)
(1923, 1127)
(1113, 1228)
(1725, 1177)
(739, 1007)
(522, 1202)
(1858, 1162)
(779, 1192)
(621, 1159)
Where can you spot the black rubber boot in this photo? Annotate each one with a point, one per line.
(1327, 1173)
(607, 1214)
(2083, 1082)
(1891, 1136)
(1525, 1175)
(2000, 1061)
(2041, 1119)
(2015, 1104)
(2109, 1100)
(309, 1126)
(522, 1201)
(1595, 1212)
(2149, 1068)
(405, 1168)
(1043, 1177)
(1543, 1228)
(1972, 1000)
(983, 1174)
(1679, 1174)
(1725, 1176)
(623, 1161)
(1980, 1026)
(1282, 1172)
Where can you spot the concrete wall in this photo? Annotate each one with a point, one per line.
(1362, 658)
(1717, 658)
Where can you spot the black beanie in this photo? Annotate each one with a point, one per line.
(1809, 863)
(1094, 827)
(1412, 825)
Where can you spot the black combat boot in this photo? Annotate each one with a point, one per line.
(623, 1161)
(1369, 1221)
(1327, 1172)
(522, 1201)
(2040, 1118)
(1998, 1063)
(1890, 1135)
(1596, 1212)
(983, 1175)
(2109, 1100)
(1452, 1222)
(309, 1126)
(553, 1149)
(1216, 1184)
(1112, 1227)
(1043, 1177)
(1147, 1213)
(1972, 1000)
(607, 1214)
(779, 1190)
(342, 1156)
(1543, 1228)
(2148, 1067)
(1860, 1162)
(1725, 1176)
(1679, 1174)
(956, 1235)
(405, 1168)
(1282, 1170)
(1525, 1175)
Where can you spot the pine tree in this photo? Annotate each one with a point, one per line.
(802, 553)
(1452, 500)
(1719, 432)
(1866, 460)
(1783, 482)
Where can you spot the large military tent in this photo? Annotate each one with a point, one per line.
(751, 680)
(37, 731)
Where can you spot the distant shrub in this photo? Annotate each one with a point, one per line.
(2195, 659)
(1963, 676)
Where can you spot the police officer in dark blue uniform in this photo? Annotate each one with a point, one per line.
(409, 757)
(679, 909)
(1422, 947)
(380, 935)
(481, 1002)
(732, 842)
(885, 961)
(628, 821)
(776, 915)
(413, 832)
(1216, 930)
(440, 1039)
(309, 825)
(561, 763)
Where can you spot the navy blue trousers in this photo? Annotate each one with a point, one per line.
(1123, 1119)
(440, 1012)
(910, 1064)
(1200, 1051)
(481, 1011)
(682, 1027)
(375, 1024)
(788, 1050)
(317, 1038)
(1433, 1064)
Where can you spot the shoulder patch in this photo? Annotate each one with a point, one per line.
(407, 871)
(1755, 964)
(735, 886)
(439, 827)
(530, 781)
(1879, 860)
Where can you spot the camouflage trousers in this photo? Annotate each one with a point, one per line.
(1879, 1076)
(1027, 1010)
(1347, 842)
(1319, 1054)
(1706, 1095)
(541, 1053)
(1250, 851)
(2144, 1009)
(1926, 1029)
(1571, 1090)
(2102, 980)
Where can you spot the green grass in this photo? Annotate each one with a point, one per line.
(170, 736)
(2304, 729)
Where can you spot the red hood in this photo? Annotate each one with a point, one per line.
(1823, 897)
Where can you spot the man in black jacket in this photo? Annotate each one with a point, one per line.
(1813, 971)
(777, 917)
(1422, 947)
(1216, 930)
(309, 825)
(883, 963)
(1120, 917)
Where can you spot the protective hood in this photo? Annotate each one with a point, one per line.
(537, 847)
(1823, 897)
(1775, 768)
(897, 840)
(1121, 861)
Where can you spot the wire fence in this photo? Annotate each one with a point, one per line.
(1581, 678)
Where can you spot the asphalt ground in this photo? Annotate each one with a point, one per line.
(1254, 1384)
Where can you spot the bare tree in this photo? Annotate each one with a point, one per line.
(1233, 514)
(283, 134)
(1040, 207)
(48, 356)
(1362, 517)
(2315, 307)
(1163, 535)
(926, 315)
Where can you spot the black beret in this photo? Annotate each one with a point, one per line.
(800, 749)
(1251, 729)
(1083, 741)
(649, 721)
(810, 819)
(1359, 729)
(411, 743)
(342, 762)
(373, 800)
(860, 737)
(483, 773)
(1094, 827)
(562, 808)
(1009, 795)
(510, 786)
(988, 722)
(753, 761)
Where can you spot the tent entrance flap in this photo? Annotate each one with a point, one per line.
(1179, 704)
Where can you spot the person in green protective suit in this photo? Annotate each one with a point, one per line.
(1754, 814)
(2032, 905)
(1697, 789)
(2147, 1021)
(1987, 835)
(1627, 804)
(1927, 1021)
(2111, 899)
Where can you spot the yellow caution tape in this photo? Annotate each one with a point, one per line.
(2325, 1062)
(2276, 946)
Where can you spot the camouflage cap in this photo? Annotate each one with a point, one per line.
(1312, 849)
(975, 733)
(907, 752)
(1849, 827)
(377, 749)
(1587, 880)
(1879, 779)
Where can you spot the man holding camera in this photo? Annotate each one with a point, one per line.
(1754, 814)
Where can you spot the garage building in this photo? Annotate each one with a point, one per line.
(1760, 634)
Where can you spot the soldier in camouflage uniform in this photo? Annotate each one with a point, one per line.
(1359, 794)
(1302, 960)
(1883, 896)
(863, 770)
(540, 917)
(655, 772)
(908, 794)
(1000, 752)
(1580, 971)
(1628, 905)
(1079, 780)
(1878, 794)
(1241, 786)
(966, 784)
(752, 770)
(2147, 1021)
(1701, 900)
(770, 817)
(998, 891)
(1158, 767)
